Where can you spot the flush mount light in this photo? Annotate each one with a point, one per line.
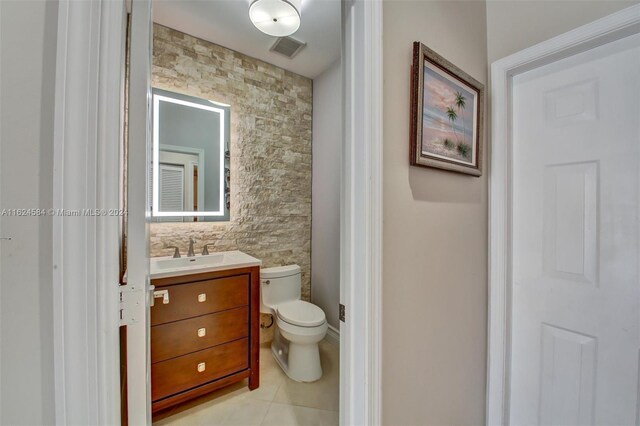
(277, 18)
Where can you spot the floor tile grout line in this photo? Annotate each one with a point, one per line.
(271, 402)
(303, 406)
(266, 413)
(277, 390)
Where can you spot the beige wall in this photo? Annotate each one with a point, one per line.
(327, 147)
(514, 25)
(435, 237)
(271, 116)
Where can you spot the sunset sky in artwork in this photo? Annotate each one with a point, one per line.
(439, 93)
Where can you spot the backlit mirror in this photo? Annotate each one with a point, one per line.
(190, 169)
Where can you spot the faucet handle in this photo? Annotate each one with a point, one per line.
(205, 249)
(176, 253)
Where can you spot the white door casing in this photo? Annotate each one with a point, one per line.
(548, 270)
(139, 156)
(361, 214)
(88, 129)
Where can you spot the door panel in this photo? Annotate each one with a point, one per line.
(575, 334)
(570, 221)
(567, 377)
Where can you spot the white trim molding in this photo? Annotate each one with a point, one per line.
(613, 27)
(333, 335)
(361, 214)
(87, 134)
(138, 341)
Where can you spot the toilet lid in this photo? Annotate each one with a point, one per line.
(301, 313)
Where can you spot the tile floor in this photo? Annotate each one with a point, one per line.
(278, 401)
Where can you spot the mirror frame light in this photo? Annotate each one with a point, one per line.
(156, 157)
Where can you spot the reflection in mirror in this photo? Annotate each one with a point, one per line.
(190, 158)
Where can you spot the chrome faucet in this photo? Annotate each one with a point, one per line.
(176, 253)
(205, 248)
(190, 253)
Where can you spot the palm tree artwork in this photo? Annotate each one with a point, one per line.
(461, 102)
(448, 115)
(453, 116)
(446, 125)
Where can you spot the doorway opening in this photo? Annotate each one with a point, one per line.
(285, 120)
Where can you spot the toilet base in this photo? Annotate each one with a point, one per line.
(300, 362)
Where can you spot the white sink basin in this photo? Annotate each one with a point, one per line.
(171, 263)
(162, 267)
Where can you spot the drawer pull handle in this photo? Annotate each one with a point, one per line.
(202, 297)
(201, 367)
(162, 293)
(202, 332)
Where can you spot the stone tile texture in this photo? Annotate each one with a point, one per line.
(271, 111)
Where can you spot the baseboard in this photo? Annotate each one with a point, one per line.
(333, 335)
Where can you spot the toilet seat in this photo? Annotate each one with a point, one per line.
(301, 314)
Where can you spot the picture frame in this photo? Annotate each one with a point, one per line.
(447, 107)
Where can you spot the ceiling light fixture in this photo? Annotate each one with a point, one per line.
(276, 18)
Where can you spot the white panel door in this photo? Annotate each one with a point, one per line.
(575, 312)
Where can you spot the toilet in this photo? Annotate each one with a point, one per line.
(300, 325)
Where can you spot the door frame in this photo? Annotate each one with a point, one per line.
(138, 286)
(361, 214)
(88, 128)
(605, 30)
(86, 163)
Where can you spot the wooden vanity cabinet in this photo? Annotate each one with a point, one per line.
(204, 334)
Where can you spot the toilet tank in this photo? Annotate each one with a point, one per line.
(278, 285)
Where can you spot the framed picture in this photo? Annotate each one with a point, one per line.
(446, 114)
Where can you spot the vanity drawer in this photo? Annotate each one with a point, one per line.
(194, 334)
(200, 298)
(180, 374)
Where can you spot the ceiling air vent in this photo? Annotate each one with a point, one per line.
(287, 46)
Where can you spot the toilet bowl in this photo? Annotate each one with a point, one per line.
(300, 325)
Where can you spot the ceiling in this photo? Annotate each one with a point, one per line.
(226, 22)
